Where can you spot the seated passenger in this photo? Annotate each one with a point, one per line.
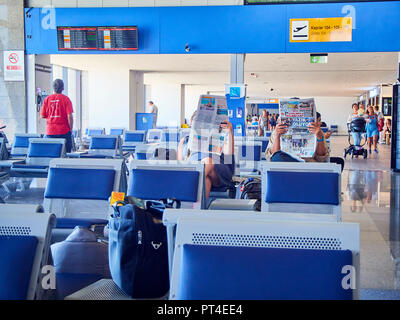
(274, 153)
(218, 169)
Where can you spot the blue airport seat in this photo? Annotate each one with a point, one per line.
(21, 144)
(78, 190)
(301, 187)
(154, 135)
(162, 180)
(253, 256)
(133, 138)
(24, 249)
(41, 152)
(101, 146)
(117, 131)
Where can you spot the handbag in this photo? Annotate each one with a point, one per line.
(138, 254)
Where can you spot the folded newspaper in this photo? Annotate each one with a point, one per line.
(298, 114)
(206, 135)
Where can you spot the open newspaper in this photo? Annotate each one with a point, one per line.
(206, 135)
(298, 114)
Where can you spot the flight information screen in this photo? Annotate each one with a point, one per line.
(97, 38)
(117, 38)
(77, 38)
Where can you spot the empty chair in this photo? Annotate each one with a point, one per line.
(24, 249)
(91, 132)
(184, 132)
(230, 257)
(21, 144)
(117, 131)
(101, 146)
(133, 138)
(301, 187)
(264, 141)
(41, 152)
(164, 180)
(154, 135)
(248, 156)
(77, 192)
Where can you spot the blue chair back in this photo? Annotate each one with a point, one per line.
(268, 273)
(134, 136)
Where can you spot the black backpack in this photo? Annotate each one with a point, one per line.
(250, 188)
(138, 254)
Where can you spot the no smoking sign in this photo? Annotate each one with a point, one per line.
(14, 65)
(13, 58)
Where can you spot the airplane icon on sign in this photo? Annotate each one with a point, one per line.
(299, 28)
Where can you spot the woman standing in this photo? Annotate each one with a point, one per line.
(263, 123)
(272, 122)
(372, 129)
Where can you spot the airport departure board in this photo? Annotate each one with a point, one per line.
(97, 38)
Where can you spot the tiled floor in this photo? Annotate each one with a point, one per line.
(371, 197)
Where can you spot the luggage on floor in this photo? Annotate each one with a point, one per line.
(138, 255)
(250, 188)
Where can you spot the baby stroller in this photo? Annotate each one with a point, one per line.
(357, 125)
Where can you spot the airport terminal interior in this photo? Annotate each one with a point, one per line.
(202, 158)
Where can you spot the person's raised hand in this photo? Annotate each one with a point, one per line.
(315, 128)
(281, 128)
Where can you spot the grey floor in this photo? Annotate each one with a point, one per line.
(371, 197)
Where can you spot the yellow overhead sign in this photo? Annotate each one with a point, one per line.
(321, 29)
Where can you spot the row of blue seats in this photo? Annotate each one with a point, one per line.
(76, 185)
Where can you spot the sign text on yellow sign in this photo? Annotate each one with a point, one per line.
(321, 29)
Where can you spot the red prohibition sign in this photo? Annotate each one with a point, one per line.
(13, 58)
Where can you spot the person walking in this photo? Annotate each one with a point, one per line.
(372, 129)
(154, 111)
(263, 123)
(57, 110)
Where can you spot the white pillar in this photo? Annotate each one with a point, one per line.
(182, 117)
(237, 68)
(31, 108)
(136, 102)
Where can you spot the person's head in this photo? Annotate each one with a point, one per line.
(58, 86)
(318, 117)
(151, 103)
(362, 107)
(376, 108)
(388, 122)
(264, 113)
(355, 107)
(370, 110)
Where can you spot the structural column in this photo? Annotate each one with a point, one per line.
(237, 68)
(136, 96)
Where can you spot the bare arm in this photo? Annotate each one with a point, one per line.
(229, 145)
(70, 121)
(280, 129)
(316, 129)
(180, 155)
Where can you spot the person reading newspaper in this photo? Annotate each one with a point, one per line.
(211, 142)
(274, 152)
(298, 135)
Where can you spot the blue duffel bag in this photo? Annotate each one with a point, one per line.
(138, 254)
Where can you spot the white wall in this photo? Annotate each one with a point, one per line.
(108, 99)
(335, 110)
(167, 97)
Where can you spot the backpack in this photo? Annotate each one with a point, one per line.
(138, 255)
(250, 188)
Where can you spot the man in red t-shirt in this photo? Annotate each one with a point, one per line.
(57, 110)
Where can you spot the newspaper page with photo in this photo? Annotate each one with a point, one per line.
(206, 135)
(298, 114)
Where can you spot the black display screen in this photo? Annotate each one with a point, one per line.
(97, 38)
